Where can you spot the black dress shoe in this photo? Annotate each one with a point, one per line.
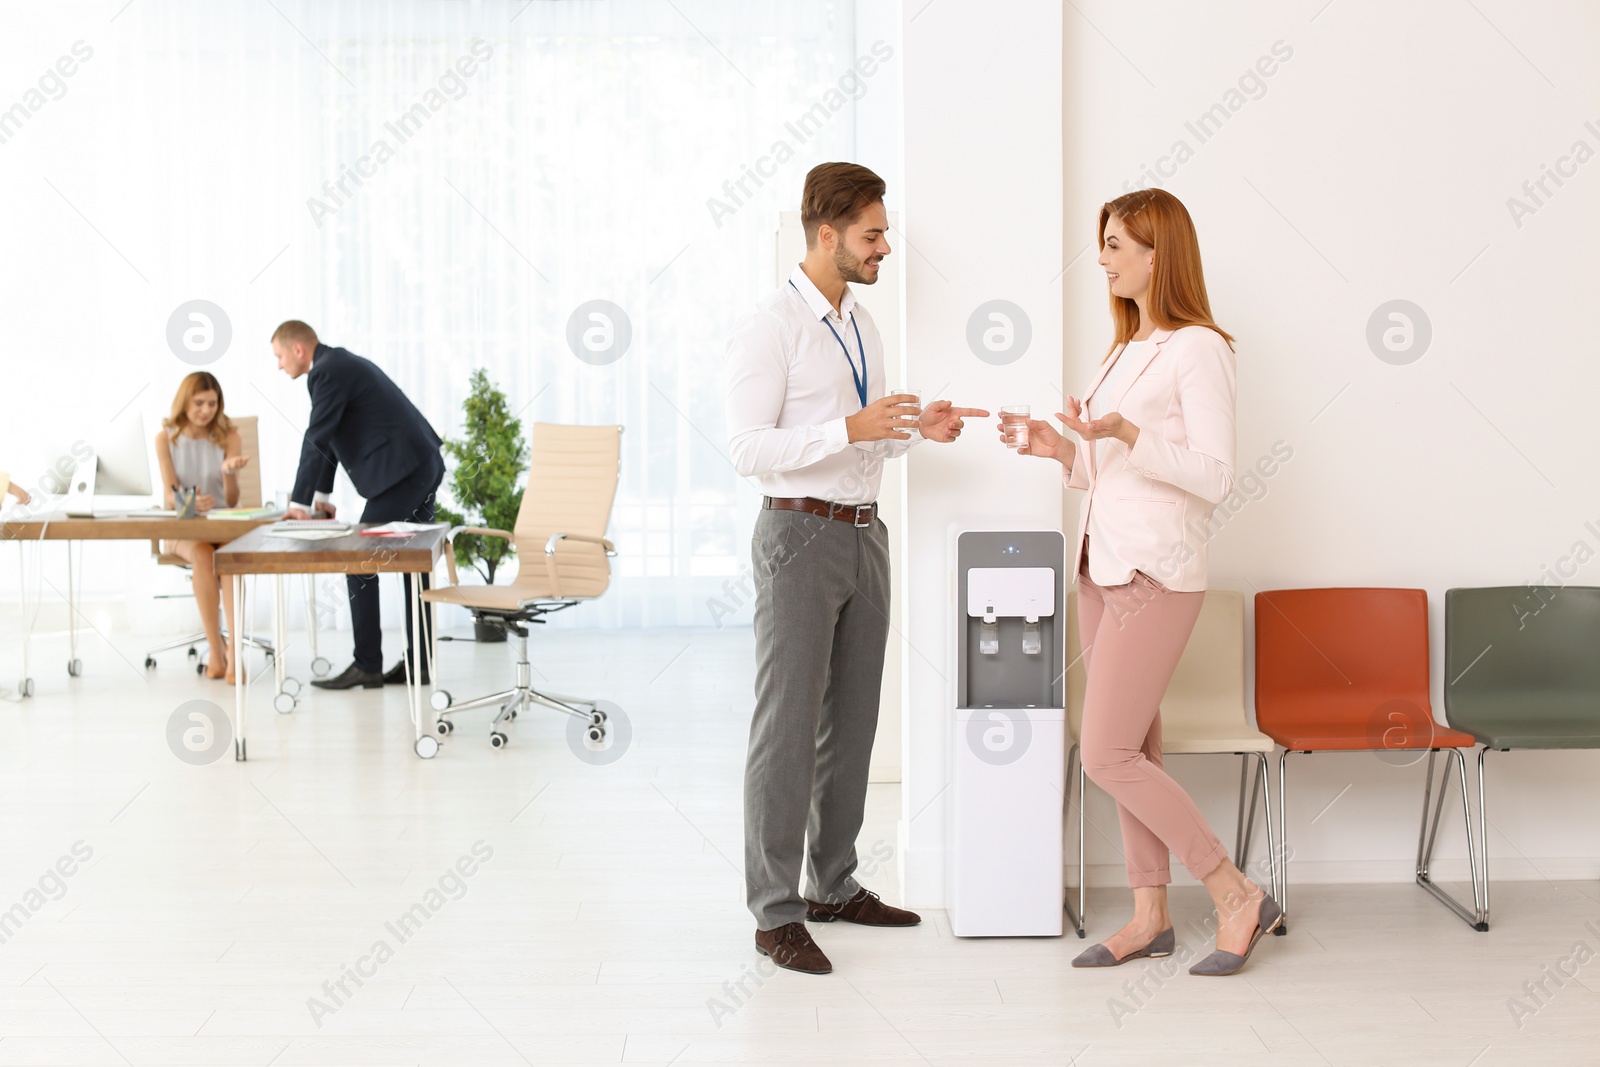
(396, 675)
(353, 676)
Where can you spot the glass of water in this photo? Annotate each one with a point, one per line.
(1014, 419)
(910, 391)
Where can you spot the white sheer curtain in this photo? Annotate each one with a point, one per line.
(567, 156)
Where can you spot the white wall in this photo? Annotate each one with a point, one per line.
(982, 221)
(1375, 163)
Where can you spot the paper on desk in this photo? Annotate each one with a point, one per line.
(402, 529)
(311, 534)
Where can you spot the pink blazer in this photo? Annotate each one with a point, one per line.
(1147, 507)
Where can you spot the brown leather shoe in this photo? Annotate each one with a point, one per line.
(864, 908)
(791, 947)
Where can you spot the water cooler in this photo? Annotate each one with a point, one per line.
(1009, 762)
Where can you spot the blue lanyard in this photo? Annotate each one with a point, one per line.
(859, 379)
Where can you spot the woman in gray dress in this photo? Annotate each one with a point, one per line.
(198, 447)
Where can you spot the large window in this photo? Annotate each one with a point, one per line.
(441, 187)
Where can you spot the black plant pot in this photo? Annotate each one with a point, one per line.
(487, 632)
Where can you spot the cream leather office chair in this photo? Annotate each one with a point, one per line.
(563, 559)
(1203, 713)
(249, 497)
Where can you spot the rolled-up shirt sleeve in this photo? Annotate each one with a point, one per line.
(756, 369)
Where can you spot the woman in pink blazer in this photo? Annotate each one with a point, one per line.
(1154, 455)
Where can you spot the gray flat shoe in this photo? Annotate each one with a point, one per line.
(1221, 963)
(1100, 956)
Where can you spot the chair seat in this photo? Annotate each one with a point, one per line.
(1529, 717)
(1196, 742)
(1354, 737)
(1523, 732)
(492, 597)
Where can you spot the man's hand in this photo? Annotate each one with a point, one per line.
(942, 423)
(296, 513)
(889, 419)
(326, 509)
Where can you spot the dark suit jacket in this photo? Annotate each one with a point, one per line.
(361, 419)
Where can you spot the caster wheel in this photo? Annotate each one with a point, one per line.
(283, 703)
(149, 663)
(512, 715)
(597, 735)
(75, 667)
(291, 686)
(25, 687)
(439, 700)
(269, 655)
(497, 740)
(193, 654)
(320, 667)
(427, 746)
(444, 727)
(597, 717)
(200, 668)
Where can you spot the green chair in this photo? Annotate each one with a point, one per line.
(1521, 671)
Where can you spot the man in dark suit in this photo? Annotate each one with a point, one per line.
(361, 419)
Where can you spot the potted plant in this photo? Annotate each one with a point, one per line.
(488, 462)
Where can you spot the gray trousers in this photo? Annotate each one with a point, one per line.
(822, 622)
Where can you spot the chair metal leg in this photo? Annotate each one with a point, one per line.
(1238, 818)
(1483, 839)
(1429, 836)
(1283, 839)
(1247, 808)
(1274, 859)
(1074, 772)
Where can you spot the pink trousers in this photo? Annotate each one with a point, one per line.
(1133, 636)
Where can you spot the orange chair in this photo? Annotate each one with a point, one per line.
(1344, 670)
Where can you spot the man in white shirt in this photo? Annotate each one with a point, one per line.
(808, 418)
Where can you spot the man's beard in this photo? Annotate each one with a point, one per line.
(852, 269)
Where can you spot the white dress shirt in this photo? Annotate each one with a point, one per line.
(789, 390)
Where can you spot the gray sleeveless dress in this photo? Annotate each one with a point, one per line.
(198, 462)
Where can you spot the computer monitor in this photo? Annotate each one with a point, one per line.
(120, 458)
(123, 458)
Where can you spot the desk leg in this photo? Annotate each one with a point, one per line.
(74, 665)
(241, 686)
(425, 745)
(25, 686)
(283, 697)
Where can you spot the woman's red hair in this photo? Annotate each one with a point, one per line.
(1158, 220)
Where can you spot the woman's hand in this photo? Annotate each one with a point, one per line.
(1111, 424)
(205, 502)
(234, 464)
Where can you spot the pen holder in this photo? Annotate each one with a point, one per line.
(186, 501)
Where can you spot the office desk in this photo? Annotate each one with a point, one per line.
(259, 553)
(72, 530)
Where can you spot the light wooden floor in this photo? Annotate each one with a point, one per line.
(607, 925)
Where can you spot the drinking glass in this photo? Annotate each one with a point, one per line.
(1014, 420)
(907, 389)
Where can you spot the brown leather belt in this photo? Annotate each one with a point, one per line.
(858, 515)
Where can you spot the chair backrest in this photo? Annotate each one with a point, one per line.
(250, 476)
(1521, 650)
(1206, 694)
(1339, 655)
(572, 483)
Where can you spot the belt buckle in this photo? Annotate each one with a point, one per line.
(856, 522)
